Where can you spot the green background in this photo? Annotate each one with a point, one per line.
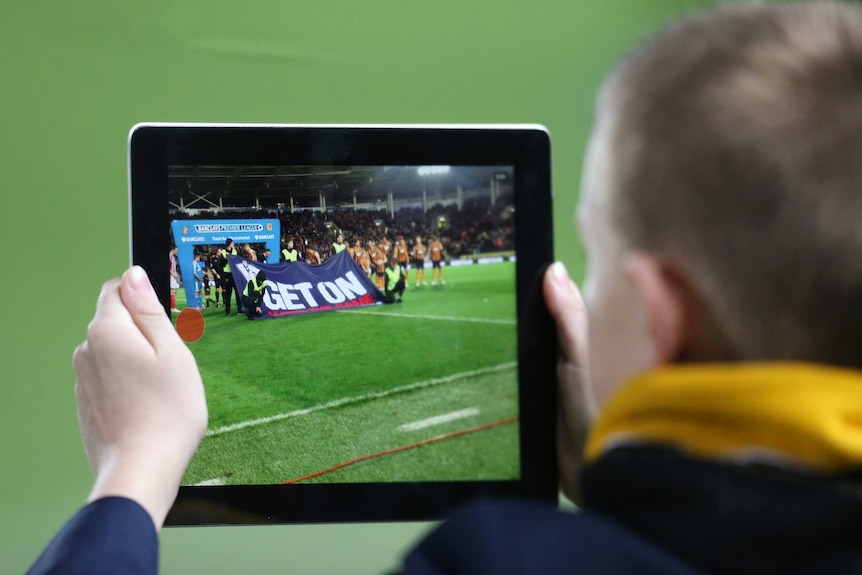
(75, 76)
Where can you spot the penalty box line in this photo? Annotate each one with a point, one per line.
(360, 398)
(434, 317)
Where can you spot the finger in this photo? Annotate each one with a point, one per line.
(569, 312)
(146, 310)
(109, 304)
(112, 319)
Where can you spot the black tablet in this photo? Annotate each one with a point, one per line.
(365, 308)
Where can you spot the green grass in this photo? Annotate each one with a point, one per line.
(261, 369)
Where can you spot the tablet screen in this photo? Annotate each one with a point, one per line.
(374, 345)
(323, 379)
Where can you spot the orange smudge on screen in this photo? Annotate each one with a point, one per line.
(190, 325)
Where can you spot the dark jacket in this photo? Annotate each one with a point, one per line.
(654, 510)
(647, 510)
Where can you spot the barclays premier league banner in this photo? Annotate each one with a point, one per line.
(191, 233)
(294, 288)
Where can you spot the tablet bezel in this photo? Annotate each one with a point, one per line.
(155, 146)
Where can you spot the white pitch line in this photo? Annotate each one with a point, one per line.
(209, 482)
(437, 317)
(438, 419)
(363, 397)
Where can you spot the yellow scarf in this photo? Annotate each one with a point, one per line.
(795, 414)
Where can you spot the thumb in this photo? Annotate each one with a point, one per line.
(144, 306)
(570, 315)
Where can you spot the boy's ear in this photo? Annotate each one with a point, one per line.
(664, 296)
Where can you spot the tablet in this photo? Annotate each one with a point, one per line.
(380, 351)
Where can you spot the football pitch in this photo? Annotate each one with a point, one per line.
(425, 390)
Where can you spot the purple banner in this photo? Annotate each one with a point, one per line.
(294, 288)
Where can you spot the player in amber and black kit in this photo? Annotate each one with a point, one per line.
(378, 262)
(360, 256)
(372, 252)
(402, 256)
(386, 246)
(436, 250)
(419, 261)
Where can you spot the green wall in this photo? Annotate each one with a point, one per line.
(75, 76)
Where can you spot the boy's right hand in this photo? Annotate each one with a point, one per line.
(577, 406)
(141, 405)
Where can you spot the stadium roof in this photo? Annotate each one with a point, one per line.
(210, 186)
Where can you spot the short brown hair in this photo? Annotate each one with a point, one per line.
(736, 137)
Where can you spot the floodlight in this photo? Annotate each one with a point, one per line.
(432, 170)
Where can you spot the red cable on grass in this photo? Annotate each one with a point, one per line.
(403, 448)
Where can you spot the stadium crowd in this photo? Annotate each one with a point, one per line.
(478, 227)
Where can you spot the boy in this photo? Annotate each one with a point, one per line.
(719, 211)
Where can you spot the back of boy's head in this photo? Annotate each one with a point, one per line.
(735, 149)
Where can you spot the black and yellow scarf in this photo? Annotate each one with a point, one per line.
(737, 469)
(795, 414)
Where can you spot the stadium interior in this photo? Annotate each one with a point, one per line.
(470, 208)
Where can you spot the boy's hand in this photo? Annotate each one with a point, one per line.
(577, 406)
(141, 405)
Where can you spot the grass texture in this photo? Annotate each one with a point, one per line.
(298, 395)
